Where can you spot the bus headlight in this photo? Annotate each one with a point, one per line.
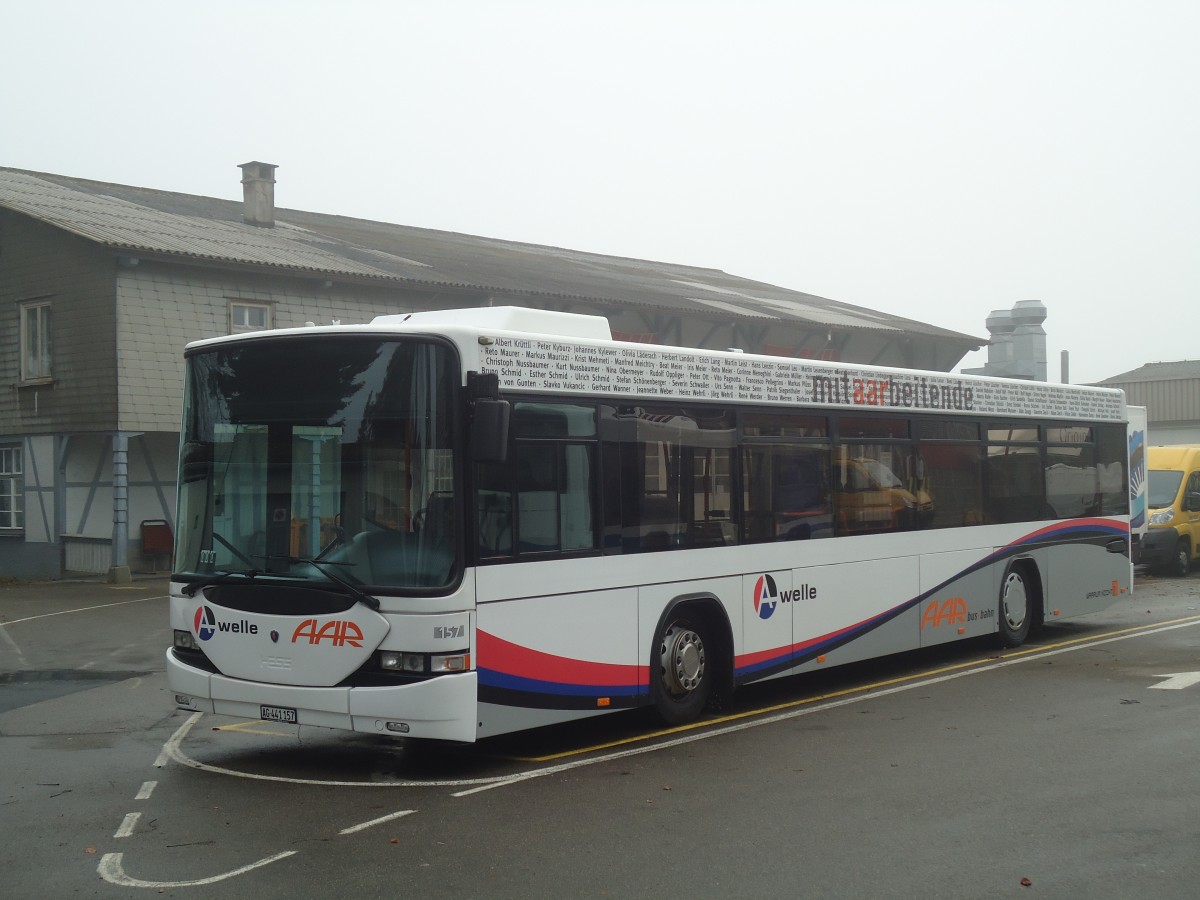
(423, 664)
(395, 661)
(185, 641)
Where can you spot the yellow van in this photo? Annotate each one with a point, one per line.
(1173, 540)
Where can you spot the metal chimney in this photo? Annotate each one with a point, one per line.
(258, 193)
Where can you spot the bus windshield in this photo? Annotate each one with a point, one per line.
(321, 458)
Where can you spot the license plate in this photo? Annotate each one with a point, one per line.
(277, 714)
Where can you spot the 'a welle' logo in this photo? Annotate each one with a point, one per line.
(767, 595)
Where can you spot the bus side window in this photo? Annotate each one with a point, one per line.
(954, 483)
(554, 497)
(1014, 484)
(880, 487)
(1112, 463)
(786, 492)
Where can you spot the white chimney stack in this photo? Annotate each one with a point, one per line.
(258, 193)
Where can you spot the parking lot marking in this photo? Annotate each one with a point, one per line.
(1006, 658)
(127, 826)
(17, 650)
(173, 742)
(173, 750)
(363, 826)
(705, 729)
(253, 727)
(111, 871)
(809, 705)
(63, 612)
(1177, 681)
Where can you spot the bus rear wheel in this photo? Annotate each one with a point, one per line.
(681, 671)
(1016, 607)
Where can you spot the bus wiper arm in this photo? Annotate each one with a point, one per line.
(320, 565)
(189, 589)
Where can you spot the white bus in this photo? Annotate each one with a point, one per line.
(451, 525)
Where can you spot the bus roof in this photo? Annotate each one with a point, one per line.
(543, 351)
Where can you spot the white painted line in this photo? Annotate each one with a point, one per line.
(477, 785)
(64, 612)
(379, 821)
(180, 732)
(809, 710)
(110, 870)
(174, 751)
(17, 650)
(147, 789)
(1177, 681)
(127, 826)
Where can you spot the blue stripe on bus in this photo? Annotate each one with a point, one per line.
(794, 655)
(494, 679)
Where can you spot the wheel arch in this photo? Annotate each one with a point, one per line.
(1035, 578)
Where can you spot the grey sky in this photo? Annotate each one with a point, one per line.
(931, 159)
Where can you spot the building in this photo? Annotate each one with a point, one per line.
(101, 286)
(1170, 391)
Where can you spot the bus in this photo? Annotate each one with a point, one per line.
(456, 524)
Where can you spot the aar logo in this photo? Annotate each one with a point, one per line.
(206, 623)
(766, 595)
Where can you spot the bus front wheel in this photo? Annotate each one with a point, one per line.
(1016, 607)
(682, 672)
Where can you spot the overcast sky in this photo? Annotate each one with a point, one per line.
(935, 160)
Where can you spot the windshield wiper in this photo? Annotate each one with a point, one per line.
(189, 589)
(319, 564)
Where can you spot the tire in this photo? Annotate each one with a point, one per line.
(1016, 607)
(1181, 562)
(681, 670)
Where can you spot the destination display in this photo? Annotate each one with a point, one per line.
(532, 364)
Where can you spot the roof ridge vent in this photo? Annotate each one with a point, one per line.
(258, 193)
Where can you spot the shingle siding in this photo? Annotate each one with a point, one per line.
(77, 277)
(163, 307)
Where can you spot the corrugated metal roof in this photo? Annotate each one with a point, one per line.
(142, 220)
(1157, 371)
(1170, 391)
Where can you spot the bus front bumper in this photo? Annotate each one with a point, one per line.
(442, 708)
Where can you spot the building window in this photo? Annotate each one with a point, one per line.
(249, 317)
(35, 341)
(11, 487)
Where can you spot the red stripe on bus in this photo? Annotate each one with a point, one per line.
(512, 659)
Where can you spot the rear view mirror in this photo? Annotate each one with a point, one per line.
(489, 430)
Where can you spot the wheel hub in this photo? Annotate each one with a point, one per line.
(1016, 602)
(682, 659)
